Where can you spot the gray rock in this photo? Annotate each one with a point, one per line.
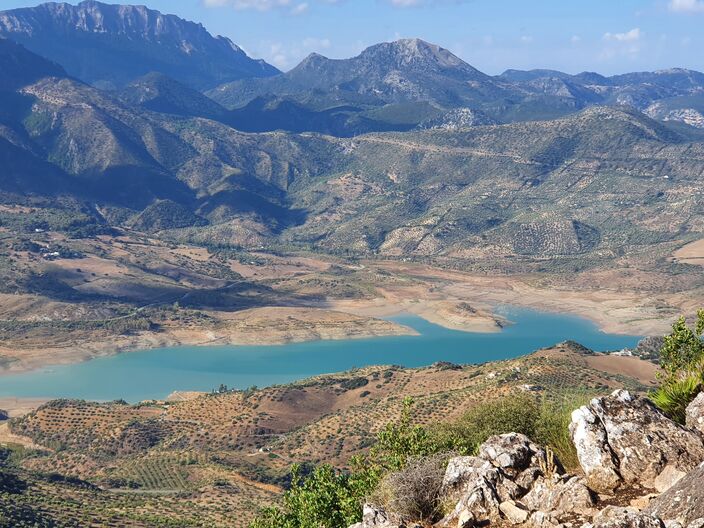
(615, 517)
(695, 413)
(463, 472)
(514, 453)
(541, 519)
(624, 438)
(668, 478)
(466, 520)
(560, 495)
(593, 451)
(513, 512)
(373, 517)
(698, 523)
(511, 451)
(684, 502)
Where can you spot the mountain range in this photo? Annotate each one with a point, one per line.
(160, 61)
(445, 180)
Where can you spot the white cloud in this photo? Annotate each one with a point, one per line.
(300, 8)
(576, 39)
(285, 56)
(627, 44)
(686, 6)
(633, 35)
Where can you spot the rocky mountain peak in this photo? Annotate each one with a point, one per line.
(415, 54)
(111, 45)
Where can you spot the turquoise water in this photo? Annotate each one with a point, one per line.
(153, 374)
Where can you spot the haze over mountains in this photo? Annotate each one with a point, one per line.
(161, 156)
(390, 86)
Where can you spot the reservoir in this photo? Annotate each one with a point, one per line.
(153, 374)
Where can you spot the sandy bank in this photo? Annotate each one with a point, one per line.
(615, 311)
(257, 326)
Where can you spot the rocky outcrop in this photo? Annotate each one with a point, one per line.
(684, 502)
(627, 449)
(624, 439)
(695, 414)
(615, 517)
(512, 479)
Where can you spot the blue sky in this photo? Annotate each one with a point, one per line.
(607, 36)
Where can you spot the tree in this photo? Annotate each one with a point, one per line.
(324, 499)
(683, 350)
(682, 363)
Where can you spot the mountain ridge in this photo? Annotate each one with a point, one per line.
(111, 45)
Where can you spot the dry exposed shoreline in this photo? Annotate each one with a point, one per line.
(256, 326)
(452, 299)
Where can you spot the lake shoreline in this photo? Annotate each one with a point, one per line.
(154, 373)
(268, 326)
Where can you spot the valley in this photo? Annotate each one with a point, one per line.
(213, 272)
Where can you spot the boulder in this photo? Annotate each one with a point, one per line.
(615, 517)
(560, 495)
(514, 453)
(625, 439)
(514, 512)
(373, 517)
(466, 520)
(668, 478)
(683, 502)
(478, 486)
(511, 451)
(593, 451)
(541, 519)
(695, 413)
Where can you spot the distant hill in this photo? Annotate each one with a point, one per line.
(407, 76)
(462, 188)
(111, 45)
(391, 72)
(159, 93)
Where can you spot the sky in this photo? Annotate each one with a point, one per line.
(606, 36)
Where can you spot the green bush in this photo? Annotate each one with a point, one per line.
(682, 363)
(327, 498)
(674, 396)
(511, 414)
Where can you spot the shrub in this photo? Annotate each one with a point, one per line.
(682, 362)
(552, 428)
(414, 491)
(325, 499)
(673, 397)
(511, 414)
(683, 349)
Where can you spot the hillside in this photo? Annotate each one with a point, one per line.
(226, 454)
(601, 197)
(111, 45)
